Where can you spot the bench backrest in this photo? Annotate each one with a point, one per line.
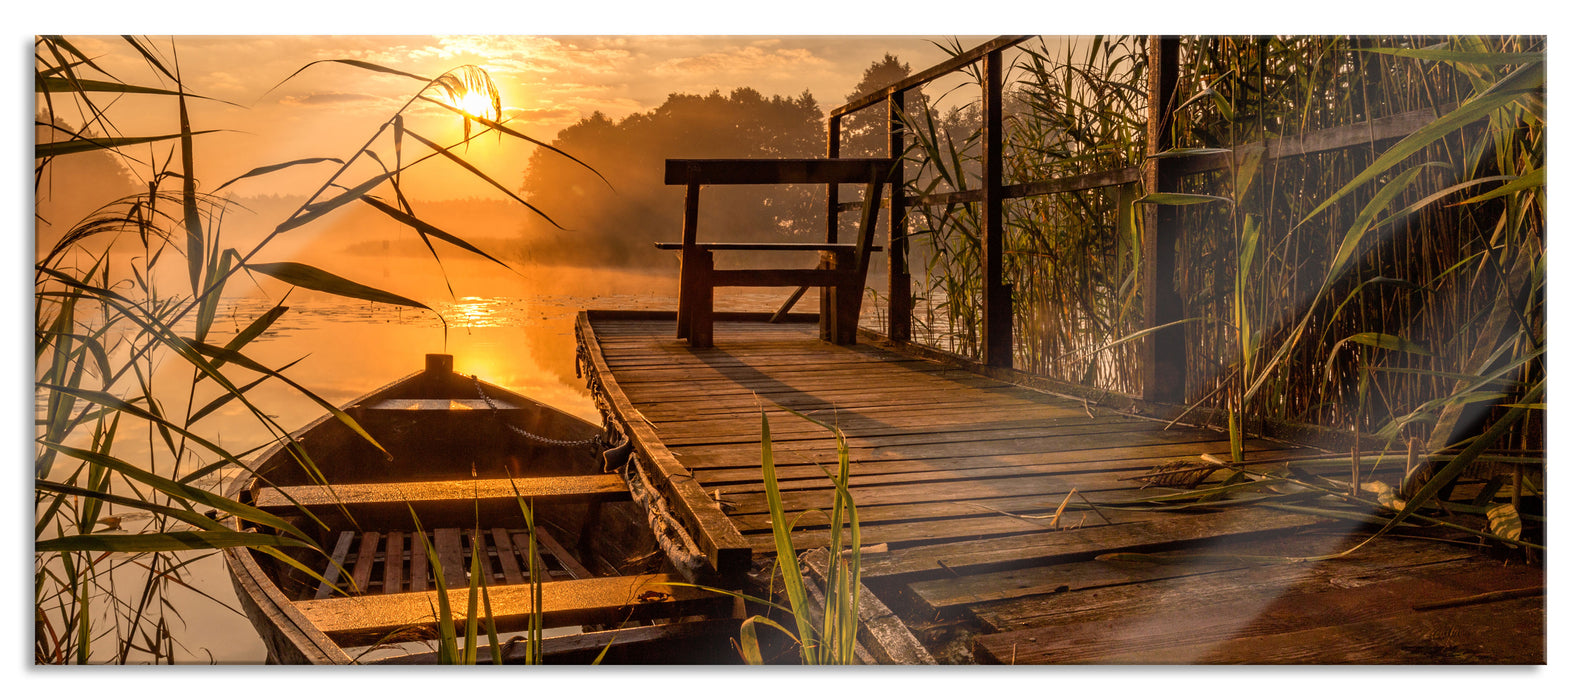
(779, 171)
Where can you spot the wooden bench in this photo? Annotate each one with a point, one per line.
(611, 600)
(454, 503)
(842, 269)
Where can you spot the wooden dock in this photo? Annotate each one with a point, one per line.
(958, 478)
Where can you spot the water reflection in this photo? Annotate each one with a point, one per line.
(345, 349)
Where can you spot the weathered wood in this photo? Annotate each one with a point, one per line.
(745, 245)
(689, 642)
(363, 570)
(689, 284)
(532, 556)
(452, 503)
(937, 456)
(447, 544)
(955, 63)
(1379, 561)
(879, 629)
(510, 566)
(785, 277)
(772, 171)
(570, 563)
(1315, 626)
(395, 550)
(933, 561)
(1163, 350)
(418, 581)
(565, 603)
(899, 270)
(332, 571)
(727, 552)
(997, 313)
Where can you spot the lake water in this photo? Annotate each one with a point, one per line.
(523, 342)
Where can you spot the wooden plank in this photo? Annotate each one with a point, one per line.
(440, 405)
(478, 548)
(1381, 560)
(693, 641)
(363, 570)
(880, 630)
(419, 578)
(524, 545)
(452, 503)
(570, 563)
(1056, 583)
(447, 544)
(332, 571)
(772, 171)
(778, 278)
(726, 550)
(395, 549)
(1186, 634)
(510, 567)
(607, 487)
(750, 245)
(565, 603)
(938, 70)
(924, 469)
(934, 561)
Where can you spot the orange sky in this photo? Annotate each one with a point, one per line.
(546, 84)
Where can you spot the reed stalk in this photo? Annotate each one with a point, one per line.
(111, 534)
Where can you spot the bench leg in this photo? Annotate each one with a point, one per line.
(847, 304)
(700, 321)
(827, 299)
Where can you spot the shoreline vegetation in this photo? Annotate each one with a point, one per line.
(1393, 294)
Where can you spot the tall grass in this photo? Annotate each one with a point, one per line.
(826, 635)
(107, 319)
(1394, 291)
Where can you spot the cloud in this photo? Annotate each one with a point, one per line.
(319, 99)
(750, 60)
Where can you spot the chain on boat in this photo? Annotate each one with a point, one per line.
(530, 436)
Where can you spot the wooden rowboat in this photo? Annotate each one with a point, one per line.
(458, 454)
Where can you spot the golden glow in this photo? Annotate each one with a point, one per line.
(477, 104)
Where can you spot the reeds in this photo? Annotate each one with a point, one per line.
(135, 287)
(1393, 290)
(826, 622)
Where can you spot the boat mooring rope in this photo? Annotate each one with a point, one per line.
(530, 436)
(668, 532)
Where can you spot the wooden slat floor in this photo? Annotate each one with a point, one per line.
(957, 478)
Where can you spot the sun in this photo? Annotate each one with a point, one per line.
(478, 104)
(470, 90)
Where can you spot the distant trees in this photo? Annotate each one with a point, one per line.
(616, 225)
(866, 133)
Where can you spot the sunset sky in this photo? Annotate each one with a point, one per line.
(546, 83)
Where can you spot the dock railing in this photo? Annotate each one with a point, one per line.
(1164, 372)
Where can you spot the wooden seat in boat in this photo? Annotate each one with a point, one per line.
(453, 503)
(593, 601)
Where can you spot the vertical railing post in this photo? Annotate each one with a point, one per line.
(900, 275)
(997, 322)
(834, 187)
(1164, 350)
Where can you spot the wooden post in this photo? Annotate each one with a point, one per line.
(689, 239)
(826, 298)
(833, 216)
(997, 348)
(900, 274)
(1164, 351)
